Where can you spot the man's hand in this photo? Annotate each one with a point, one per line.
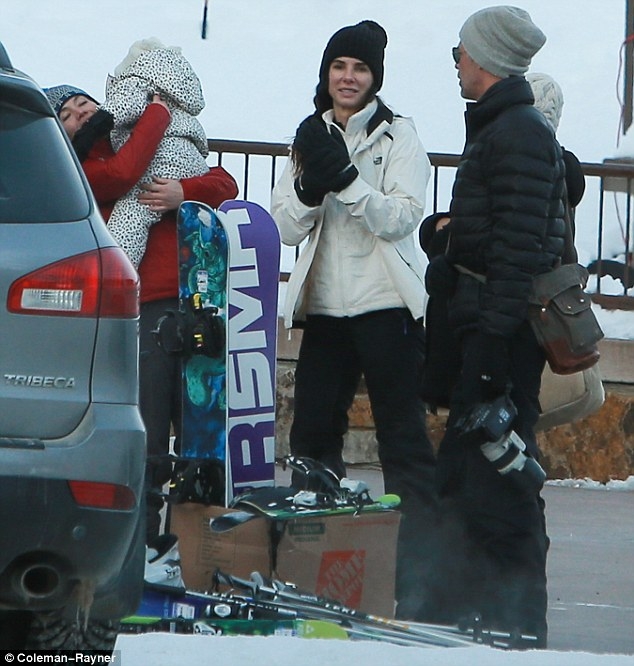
(161, 195)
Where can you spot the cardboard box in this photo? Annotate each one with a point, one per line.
(347, 558)
(239, 551)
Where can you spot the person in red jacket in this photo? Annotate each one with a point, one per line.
(111, 175)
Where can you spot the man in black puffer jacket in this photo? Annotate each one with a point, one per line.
(506, 226)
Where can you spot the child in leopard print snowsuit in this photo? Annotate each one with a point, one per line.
(153, 68)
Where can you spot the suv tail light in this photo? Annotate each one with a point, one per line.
(102, 495)
(100, 283)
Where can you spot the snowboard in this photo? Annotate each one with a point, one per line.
(228, 292)
(254, 269)
(203, 258)
(278, 504)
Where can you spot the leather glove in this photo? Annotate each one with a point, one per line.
(326, 165)
(98, 126)
(440, 277)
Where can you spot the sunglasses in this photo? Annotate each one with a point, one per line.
(456, 53)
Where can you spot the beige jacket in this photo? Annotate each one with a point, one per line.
(360, 253)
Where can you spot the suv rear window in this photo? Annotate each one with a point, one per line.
(37, 185)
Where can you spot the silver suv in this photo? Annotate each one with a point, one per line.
(72, 442)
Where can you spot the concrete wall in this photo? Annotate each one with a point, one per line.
(599, 447)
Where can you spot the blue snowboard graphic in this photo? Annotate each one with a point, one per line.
(203, 265)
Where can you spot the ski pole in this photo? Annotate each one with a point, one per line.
(204, 28)
(327, 609)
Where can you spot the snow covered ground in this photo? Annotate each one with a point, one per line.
(166, 650)
(590, 484)
(258, 67)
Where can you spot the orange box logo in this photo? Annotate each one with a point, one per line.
(341, 575)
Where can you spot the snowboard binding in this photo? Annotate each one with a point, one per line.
(312, 475)
(318, 485)
(199, 481)
(195, 328)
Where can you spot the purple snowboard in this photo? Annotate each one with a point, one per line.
(254, 262)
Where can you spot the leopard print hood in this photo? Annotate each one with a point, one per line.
(165, 71)
(151, 67)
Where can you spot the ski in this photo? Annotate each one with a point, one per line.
(286, 596)
(260, 607)
(299, 628)
(230, 614)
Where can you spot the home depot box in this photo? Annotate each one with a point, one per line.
(349, 558)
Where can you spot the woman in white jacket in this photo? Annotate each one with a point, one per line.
(355, 191)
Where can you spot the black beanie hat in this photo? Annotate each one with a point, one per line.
(365, 41)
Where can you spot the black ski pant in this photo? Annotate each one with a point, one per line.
(160, 402)
(381, 346)
(493, 543)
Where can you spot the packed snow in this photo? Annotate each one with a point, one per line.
(258, 66)
(590, 484)
(166, 650)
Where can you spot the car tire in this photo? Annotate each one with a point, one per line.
(52, 631)
(14, 629)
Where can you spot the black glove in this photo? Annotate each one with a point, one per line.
(324, 159)
(433, 241)
(97, 127)
(310, 137)
(440, 277)
(486, 368)
(308, 192)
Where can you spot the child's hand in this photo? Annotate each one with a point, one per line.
(157, 99)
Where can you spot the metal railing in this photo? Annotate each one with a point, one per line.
(256, 166)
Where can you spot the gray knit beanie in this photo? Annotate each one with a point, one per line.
(502, 40)
(59, 95)
(549, 98)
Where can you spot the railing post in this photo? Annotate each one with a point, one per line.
(628, 70)
(600, 233)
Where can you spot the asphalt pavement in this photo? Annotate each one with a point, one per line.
(590, 564)
(590, 569)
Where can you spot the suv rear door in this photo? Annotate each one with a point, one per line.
(48, 263)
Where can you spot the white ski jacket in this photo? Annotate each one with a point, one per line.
(360, 254)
